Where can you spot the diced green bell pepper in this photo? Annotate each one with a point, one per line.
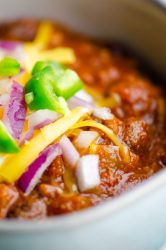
(40, 89)
(51, 84)
(68, 84)
(40, 65)
(9, 67)
(66, 81)
(7, 143)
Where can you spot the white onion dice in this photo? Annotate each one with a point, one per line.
(42, 117)
(82, 94)
(69, 152)
(87, 172)
(103, 113)
(85, 138)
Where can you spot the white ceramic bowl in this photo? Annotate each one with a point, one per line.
(136, 220)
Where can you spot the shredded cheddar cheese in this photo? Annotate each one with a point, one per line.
(90, 123)
(110, 102)
(60, 54)
(15, 165)
(43, 35)
(37, 50)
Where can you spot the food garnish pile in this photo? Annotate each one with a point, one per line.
(80, 123)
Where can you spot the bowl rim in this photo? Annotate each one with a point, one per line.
(96, 213)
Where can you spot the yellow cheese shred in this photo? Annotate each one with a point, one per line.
(60, 54)
(123, 148)
(43, 35)
(100, 101)
(37, 49)
(42, 39)
(15, 165)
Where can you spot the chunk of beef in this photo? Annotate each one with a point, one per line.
(133, 131)
(55, 173)
(136, 134)
(29, 208)
(8, 196)
(138, 96)
(71, 203)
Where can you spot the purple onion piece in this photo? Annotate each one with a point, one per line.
(22, 70)
(43, 124)
(9, 45)
(30, 132)
(15, 111)
(30, 178)
(26, 136)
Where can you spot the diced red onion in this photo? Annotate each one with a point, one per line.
(31, 177)
(26, 136)
(69, 152)
(85, 138)
(13, 49)
(37, 120)
(15, 111)
(43, 124)
(41, 118)
(77, 102)
(83, 95)
(9, 45)
(81, 99)
(22, 70)
(103, 113)
(87, 172)
(30, 132)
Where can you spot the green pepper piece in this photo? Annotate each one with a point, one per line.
(51, 84)
(9, 67)
(66, 81)
(68, 84)
(7, 143)
(29, 97)
(41, 88)
(40, 65)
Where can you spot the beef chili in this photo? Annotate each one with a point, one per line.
(79, 122)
